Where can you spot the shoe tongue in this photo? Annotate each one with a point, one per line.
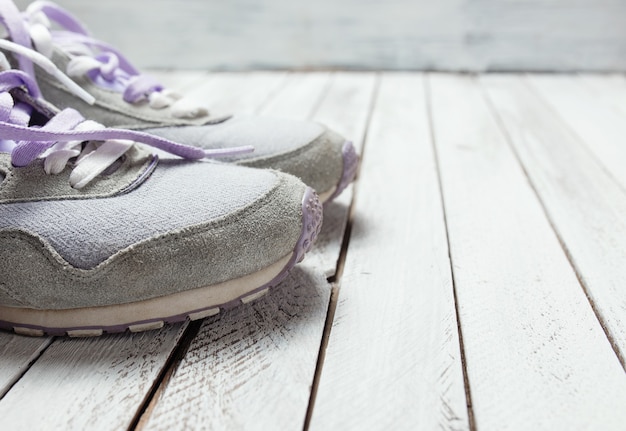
(42, 110)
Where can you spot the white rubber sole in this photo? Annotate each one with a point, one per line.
(155, 312)
(142, 315)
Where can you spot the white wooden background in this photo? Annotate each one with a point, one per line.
(456, 35)
(480, 285)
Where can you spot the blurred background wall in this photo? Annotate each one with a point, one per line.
(452, 35)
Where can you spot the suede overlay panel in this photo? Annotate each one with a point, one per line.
(31, 183)
(319, 164)
(227, 248)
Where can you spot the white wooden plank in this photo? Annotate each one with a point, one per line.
(95, 383)
(327, 249)
(584, 203)
(345, 108)
(536, 355)
(252, 367)
(16, 355)
(393, 359)
(238, 93)
(343, 104)
(599, 125)
(395, 34)
(299, 97)
(608, 88)
(183, 81)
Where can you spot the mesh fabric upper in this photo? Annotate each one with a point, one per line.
(178, 194)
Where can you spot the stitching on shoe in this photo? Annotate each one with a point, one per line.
(124, 168)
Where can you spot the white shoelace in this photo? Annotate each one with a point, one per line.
(108, 64)
(68, 135)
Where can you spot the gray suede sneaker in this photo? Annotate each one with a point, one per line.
(99, 235)
(125, 98)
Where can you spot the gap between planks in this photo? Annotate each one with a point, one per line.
(433, 140)
(335, 279)
(348, 119)
(35, 346)
(177, 355)
(563, 244)
(598, 126)
(372, 329)
(257, 98)
(193, 328)
(561, 366)
(144, 413)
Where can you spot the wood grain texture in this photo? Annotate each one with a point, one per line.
(16, 354)
(474, 35)
(342, 101)
(346, 109)
(252, 367)
(598, 123)
(536, 355)
(183, 81)
(237, 93)
(585, 204)
(95, 384)
(347, 105)
(393, 359)
(299, 97)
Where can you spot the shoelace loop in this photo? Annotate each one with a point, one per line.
(101, 62)
(64, 135)
(67, 134)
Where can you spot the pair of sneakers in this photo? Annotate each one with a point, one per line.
(121, 221)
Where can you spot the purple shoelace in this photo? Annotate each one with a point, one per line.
(32, 142)
(111, 66)
(27, 143)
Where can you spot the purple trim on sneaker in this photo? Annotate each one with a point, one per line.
(32, 142)
(312, 213)
(350, 165)
(11, 17)
(144, 175)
